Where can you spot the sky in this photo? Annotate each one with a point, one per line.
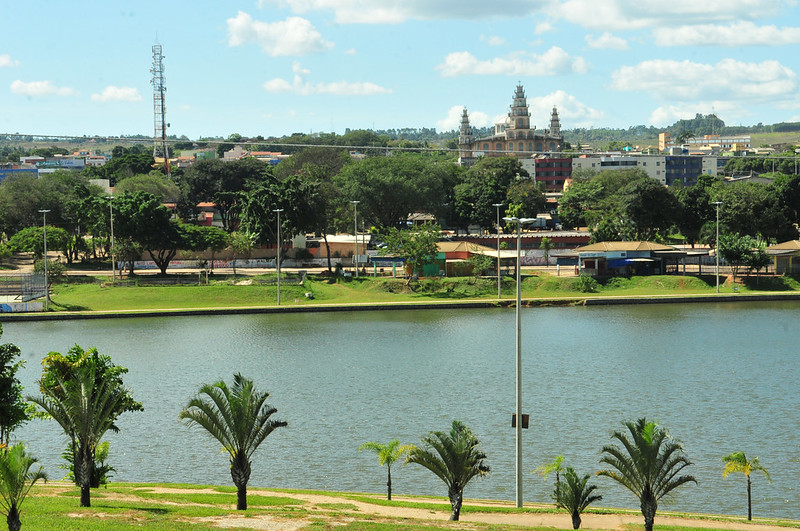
(277, 67)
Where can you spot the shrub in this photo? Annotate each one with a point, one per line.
(586, 284)
(55, 270)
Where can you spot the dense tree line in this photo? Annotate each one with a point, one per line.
(628, 205)
(315, 189)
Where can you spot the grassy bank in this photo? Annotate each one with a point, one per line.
(95, 294)
(123, 506)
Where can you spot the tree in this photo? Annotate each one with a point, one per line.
(85, 397)
(392, 188)
(649, 464)
(649, 206)
(387, 455)
(735, 250)
(31, 240)
(16, 481)
(484, 184)
(738, 462)
(12, 405)
(546, 244)
(154, 182)
(239, 418)
(141, 220)
(526, 194)
(574, 495)
(241, 243)
(417, 245)
(455, 459)
(553, 466)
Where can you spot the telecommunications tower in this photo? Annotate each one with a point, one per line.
(159, 106)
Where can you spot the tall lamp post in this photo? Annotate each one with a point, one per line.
(44, 212)
(497, 206)
(111, 243)
(716, 242)
(355, 234)
(519, 222)
(278, 254)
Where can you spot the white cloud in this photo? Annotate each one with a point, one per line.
(729, 78)
(112, 93)
(669, 114)
(453, 119)
(351, 51)
(571, 112)
(293, 36)
(612, 15)
(493, 40)
(542, 27)
(553, 61)
(7, 61)
(337, 88)
(741, 33)
(398, 11)
(606, 41)
(40, 88)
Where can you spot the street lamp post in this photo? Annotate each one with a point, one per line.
(519, 222)
(46, 282)
(278, 254)
(355, 234)
(497, 206)
(111, 242)
(716, 242)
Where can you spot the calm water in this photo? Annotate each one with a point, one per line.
(720, 377)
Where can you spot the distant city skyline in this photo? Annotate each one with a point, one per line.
(277, 67)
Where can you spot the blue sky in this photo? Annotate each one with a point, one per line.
(275, 67)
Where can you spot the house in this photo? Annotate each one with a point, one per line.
(785, 257)
(625, 258)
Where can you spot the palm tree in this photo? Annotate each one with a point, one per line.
(16, 481)
(553, 466)
(86, 409)
(239, 418)
(737, 462)
(574, 495)
(455, 459)
(648, 464)
(387, 454)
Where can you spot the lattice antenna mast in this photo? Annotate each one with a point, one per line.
(159, 106)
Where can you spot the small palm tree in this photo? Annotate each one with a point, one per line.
(16, 481)
(737, 462)
(387, 454)
(86, 409)
(574, 495)
(553, 466)
(239, 418)
(455, 459)
(648, 464)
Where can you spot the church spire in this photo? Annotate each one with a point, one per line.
(465, 133)
(555, 124)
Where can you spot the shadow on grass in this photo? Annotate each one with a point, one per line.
(67, 307)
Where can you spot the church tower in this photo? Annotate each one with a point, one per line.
(465, 139)
(519, 117)
(555, 124)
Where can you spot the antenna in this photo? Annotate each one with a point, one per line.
(159, 106)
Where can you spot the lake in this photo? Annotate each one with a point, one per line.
(721, 377)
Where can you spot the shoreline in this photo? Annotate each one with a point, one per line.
(412, 305)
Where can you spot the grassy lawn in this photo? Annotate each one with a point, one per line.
(123, 506)
(91, 294)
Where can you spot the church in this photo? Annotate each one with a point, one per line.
(513, 137)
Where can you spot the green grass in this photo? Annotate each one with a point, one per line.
(89, 294)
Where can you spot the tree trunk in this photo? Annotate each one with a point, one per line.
(327, 251)
(749, 501)
(86, 495)
(455, 502)
(83, 466)
(12, 519)
(576, 520)
(649, 507)
(389, 484)
(240, 473)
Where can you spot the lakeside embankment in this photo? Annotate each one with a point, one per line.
(404, 305)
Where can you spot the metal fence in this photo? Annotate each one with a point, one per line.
(22, 288)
